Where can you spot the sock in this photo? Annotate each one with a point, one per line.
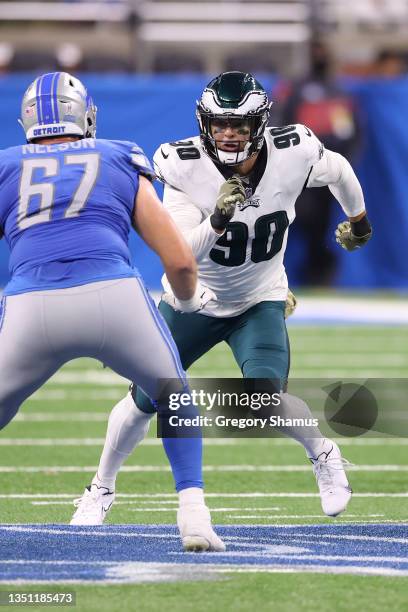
(185, 458)
(310, 437)
(191, 495)
(127, 426)
(185, 453)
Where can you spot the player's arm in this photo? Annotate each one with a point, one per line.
(336, 172)
(160, 233)
(203, 234)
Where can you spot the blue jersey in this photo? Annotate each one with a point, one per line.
(65, 211)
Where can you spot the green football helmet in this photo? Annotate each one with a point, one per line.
(233, 96)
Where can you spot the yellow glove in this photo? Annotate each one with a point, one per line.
(349, 241)
(231, 193)
(291, 303)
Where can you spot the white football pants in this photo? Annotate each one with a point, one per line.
(113, 321)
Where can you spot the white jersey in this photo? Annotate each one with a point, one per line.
(244, 266)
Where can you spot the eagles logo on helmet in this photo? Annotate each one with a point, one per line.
(233, 95)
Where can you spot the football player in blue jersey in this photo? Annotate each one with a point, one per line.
(67, 203)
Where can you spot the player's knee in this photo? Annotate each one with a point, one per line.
(274, 370)
(142, 401)
(254, 369)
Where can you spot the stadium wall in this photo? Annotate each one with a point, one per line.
(155, 109)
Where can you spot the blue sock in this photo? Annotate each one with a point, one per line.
(184, 449)
(185, 457)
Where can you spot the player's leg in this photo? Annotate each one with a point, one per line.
(141, 349)
(26, 358)
(194, 335)
(260, 345)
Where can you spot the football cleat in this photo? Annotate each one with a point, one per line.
(197, 534)
(335, 491)
(93, 506)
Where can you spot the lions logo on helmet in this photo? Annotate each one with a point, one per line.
(57, 104)
(233, 96)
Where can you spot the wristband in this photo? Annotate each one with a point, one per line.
(361, 228)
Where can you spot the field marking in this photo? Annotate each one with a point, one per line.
(172, 509)
(315, 569)
(50, 417)
(170, 496)
(46, 394)
(207, 468)
(88, 377)
(303, 373)
(207, 441)
(296, 516)
(353, 359)
(111, 379)
(101, 441)
(362, 538)
(81, 531)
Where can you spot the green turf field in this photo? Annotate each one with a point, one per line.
(50, 451)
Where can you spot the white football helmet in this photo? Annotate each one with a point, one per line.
(57, 104)
(233, 96)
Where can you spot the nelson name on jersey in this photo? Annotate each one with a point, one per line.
(34, 149)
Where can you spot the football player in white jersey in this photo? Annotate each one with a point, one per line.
(232, 191)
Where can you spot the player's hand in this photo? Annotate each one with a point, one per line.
(347, 240)
(291, 303)
(202, 296)
(231, 193)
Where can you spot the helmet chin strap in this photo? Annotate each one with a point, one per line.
(232, 158)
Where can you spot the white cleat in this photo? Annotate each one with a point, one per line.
(197, 534)
(93, 506)
(335, 491)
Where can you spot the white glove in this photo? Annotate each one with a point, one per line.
(201, 297)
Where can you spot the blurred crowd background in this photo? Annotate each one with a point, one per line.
(339, 66)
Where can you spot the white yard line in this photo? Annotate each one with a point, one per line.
(89, 395)
(312, 373)
(173, 496)
(88, 377)
(207, 441)
(100, 441)
(207, 468)
(294, 516)
(350, 310)
(57, 416)
(313, 360)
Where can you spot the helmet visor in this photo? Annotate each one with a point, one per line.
(230, 134)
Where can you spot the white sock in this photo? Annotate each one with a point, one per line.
(127, 426)
(192, 495)
(293, 407)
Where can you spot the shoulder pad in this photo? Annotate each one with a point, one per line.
(299, 137)
(172, 160)
(136, 157)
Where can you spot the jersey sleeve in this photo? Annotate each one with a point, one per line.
(141, 162)
(196, 229)
(165, 166)
(335, 172)
(314, 147)
(135, 157)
